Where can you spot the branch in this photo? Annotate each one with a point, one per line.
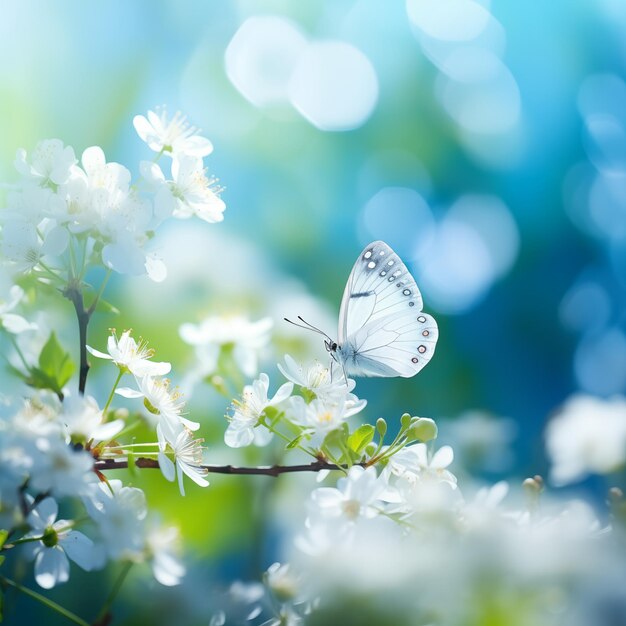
(274, 470)
(75, 295)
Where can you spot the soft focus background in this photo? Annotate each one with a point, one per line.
(485, 142)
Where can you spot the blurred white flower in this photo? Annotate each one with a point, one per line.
(131, 356)
(356, 496)
(171, 136)
(58, 543)
(247, 339)
(12, 322)
(242, 428)
(160, 544)
(82, 417)
(25, 245)
(119, 513)
(416, 462)
(188, 456)
(59, 468)
(190, 192)
(50, 162)
(587, 436)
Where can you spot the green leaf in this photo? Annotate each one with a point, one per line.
(106, 307)
(55, 366)
(3, 537)
(294, 443)
(361, 437)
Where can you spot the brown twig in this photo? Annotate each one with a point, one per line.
(83, 315)
(273, 470)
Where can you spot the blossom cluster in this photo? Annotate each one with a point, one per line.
(63, 215)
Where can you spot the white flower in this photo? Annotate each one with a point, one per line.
(356, 495)
(588, 436)
(320, 417)
(247, 339)
(26, 245)
(242, 429)
(50, 162)
(58, 468)
(119, 512)
(317, 379)
(131, 356)
(173, 136)
(12, 322)
(160, 544)
(415, 462)
(187, 456)
(59, 542)
(189, 192)
(161, 401)
(83, 418)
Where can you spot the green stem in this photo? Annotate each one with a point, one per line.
(117, 585)
(110, 398)
(94, 304)
(127, 430)
(45, 601)
(51, 271)
(19, 352)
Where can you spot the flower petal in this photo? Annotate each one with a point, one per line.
(80, 549)
(167, 466)
(51, 567)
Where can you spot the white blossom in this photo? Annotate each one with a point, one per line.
(588, 436)
(59, 468)
(358, 495)
(188, 456)
(417, 463)
(83, 418)
(119, 513)
(12, 322)
(189, 192)
(319, 417)
(246, 338)
(50, 162)
(163, 404)
(172, 136)
(131, 356)
(243, 428)
(160, 545)
(58, 543)
(316, 378)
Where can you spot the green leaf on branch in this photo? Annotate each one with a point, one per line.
(103, 306)
(360, 438)
(55, 367)
(294, 443)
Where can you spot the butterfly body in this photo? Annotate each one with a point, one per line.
(382, 329)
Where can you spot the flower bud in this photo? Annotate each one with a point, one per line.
(423, 429)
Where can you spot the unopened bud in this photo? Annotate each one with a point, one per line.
(423, 429)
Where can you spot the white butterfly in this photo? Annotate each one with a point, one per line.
(382, 329)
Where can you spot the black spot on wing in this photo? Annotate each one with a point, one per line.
(362, 294)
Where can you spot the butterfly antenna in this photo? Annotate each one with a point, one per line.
(315, 328)
(308, 326)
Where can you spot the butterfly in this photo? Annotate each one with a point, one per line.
(382, 328)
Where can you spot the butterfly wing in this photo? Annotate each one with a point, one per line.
(382, 330)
